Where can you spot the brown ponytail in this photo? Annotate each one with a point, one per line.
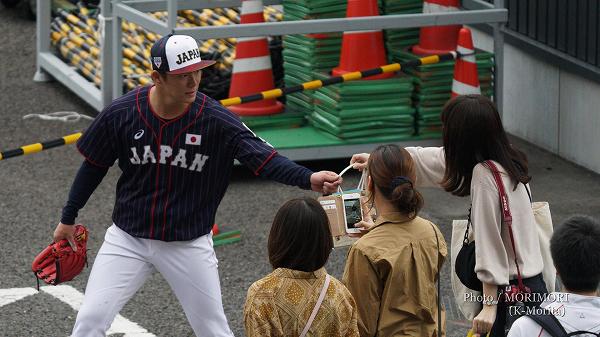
(392, 171)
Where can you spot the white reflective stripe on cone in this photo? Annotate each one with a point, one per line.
(464, 50)
(470, 54)
(252, 6)
(436, 8)
(251, 64)
(463, 88)
(248, 39)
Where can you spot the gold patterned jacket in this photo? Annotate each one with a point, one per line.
(281, 303)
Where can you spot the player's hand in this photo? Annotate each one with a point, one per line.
(63, 231)
(482, 323)
(359, 161)
(325, 182)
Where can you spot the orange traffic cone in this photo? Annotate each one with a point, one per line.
(438, 39)
(465, 79)
(252, 72)
(362, 50)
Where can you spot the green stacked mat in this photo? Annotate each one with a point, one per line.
(400, 39)
(313, 9)
(433, 87)
(308, 53)
(289, 119)
(365, 108)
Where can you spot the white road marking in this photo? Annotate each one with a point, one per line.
(74, 298)
(8, 296)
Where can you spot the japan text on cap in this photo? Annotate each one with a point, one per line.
(177, 54)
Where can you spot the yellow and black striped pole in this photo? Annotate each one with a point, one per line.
(357, 75)
(37, 147)
(274, 93)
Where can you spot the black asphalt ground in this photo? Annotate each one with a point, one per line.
(35, 187)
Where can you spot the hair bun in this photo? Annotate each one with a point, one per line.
(399, 180)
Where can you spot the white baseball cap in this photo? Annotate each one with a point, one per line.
(177, 54)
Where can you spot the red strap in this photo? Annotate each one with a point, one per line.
(506, 216)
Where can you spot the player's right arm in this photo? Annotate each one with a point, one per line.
(86, 181)
(97, 146)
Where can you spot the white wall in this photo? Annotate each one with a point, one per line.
(550, 107)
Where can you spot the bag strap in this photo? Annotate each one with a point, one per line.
(549, 323)
(506, 215)
(439, 303)
(466, 237)
(317, 306)
(361, 182)
(528, 193)
(581, 332)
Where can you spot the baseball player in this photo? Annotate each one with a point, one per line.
(175, 147)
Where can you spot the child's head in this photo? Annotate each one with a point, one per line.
(392, 173)
(575, 247)
(300, 237)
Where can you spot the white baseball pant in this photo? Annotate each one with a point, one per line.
(125, 262)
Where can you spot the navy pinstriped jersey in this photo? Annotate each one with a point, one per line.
(175, 172)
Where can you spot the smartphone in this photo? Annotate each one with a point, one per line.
(352, 211)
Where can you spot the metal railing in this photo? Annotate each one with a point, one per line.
(113, 12)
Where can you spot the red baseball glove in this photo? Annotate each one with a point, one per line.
(58, 263)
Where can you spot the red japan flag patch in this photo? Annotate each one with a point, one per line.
(192, 139)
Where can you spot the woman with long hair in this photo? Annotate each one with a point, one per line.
(473, 133)
(392, 270)
(299, 298)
